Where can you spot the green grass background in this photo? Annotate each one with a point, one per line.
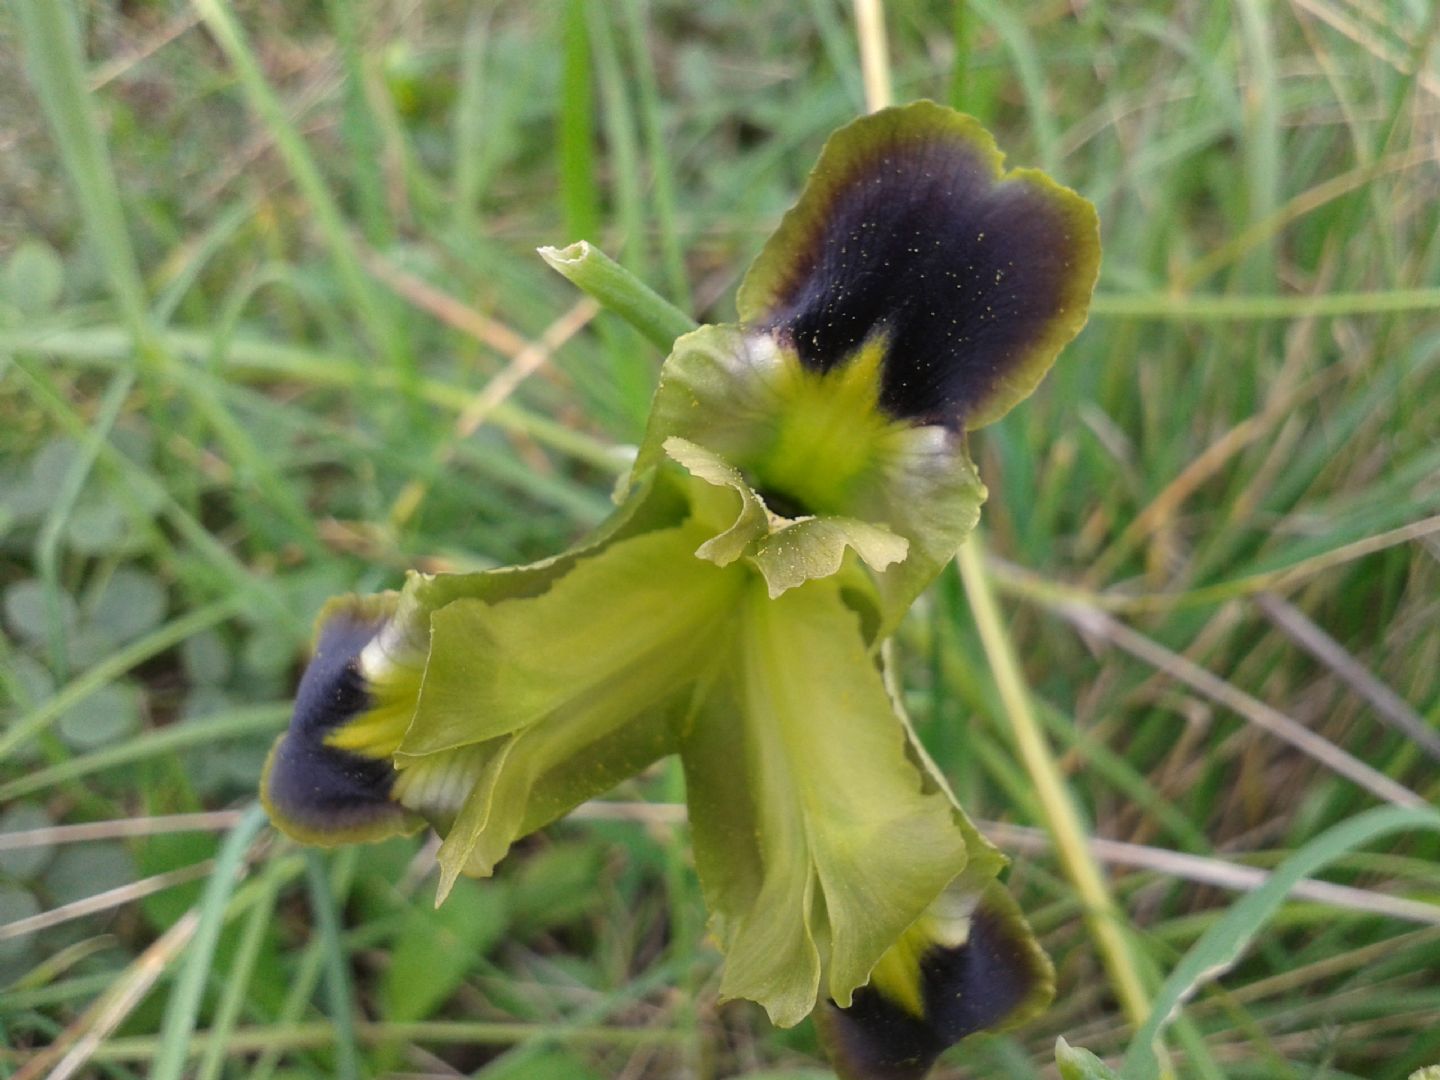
(259, 265)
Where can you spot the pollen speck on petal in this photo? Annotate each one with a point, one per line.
(974, 320)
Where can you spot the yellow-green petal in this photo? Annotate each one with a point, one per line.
(814, 830)
(629, 623)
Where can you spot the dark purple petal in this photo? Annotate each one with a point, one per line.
(996, 978)
(314, 791)
(910, 230)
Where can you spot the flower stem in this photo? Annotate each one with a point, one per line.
(1062, 820)
(594, 272)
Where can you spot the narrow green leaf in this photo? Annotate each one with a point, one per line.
(657, 151)
(337, 964)
(579, 188)
(1221, 945)
(185, 998)
(254, 719)
(56, 66)
(115, 665)
(257, 925)
(373, 309)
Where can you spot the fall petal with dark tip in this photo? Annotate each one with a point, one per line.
(953, 973)
(911, 232)
(329, 778)
(339, 774)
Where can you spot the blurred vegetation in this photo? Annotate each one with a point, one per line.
(269, 338)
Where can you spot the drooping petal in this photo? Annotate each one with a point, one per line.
(969, 964)
(329, 779)
(636, 614)
(816, 839)
(910, 230)
(747, 824)
(552, 699)
(530, 778)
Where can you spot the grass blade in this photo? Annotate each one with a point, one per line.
(337, 977)
(252, 936)
(369, 305)
(110, 669)
(249, 720)
(1221, 945)
(184, 1004)
(1062, 820)
(57, 68)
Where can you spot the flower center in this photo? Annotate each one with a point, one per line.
(827, 434)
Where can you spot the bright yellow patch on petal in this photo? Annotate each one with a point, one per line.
(897, 975)
(829, 430)
(378, 731)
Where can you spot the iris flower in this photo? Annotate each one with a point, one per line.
(803, 476)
